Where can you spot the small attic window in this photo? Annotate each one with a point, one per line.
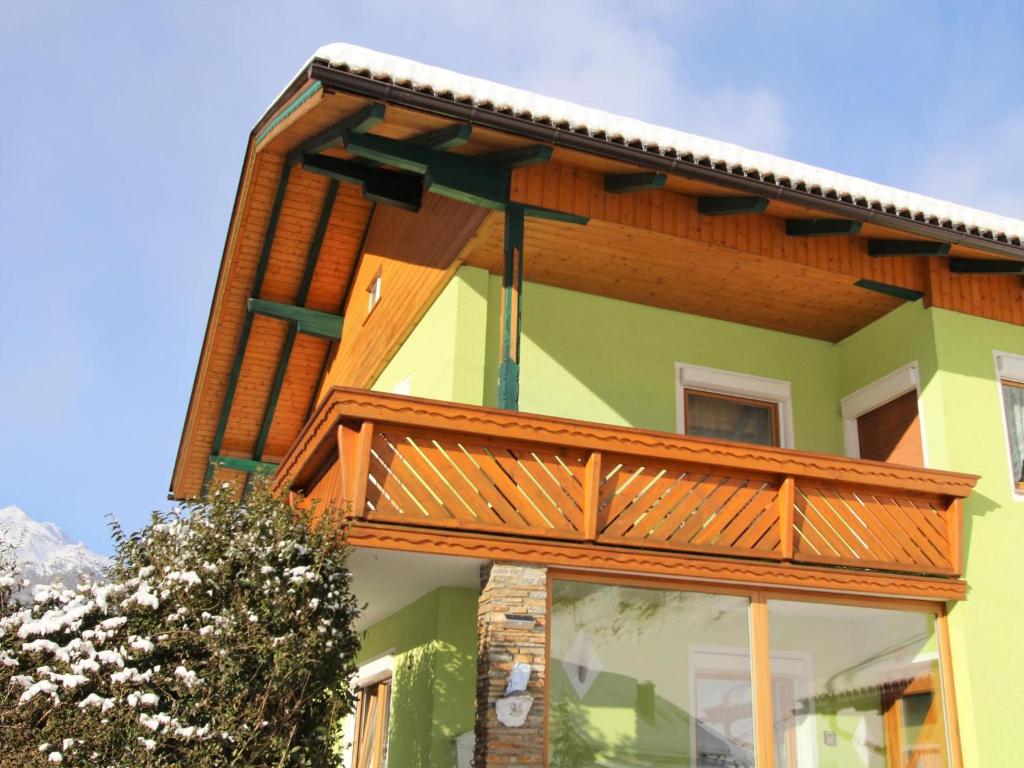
(373, 292)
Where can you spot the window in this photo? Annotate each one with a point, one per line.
(733, 406)
(373, 710)
(882, 421)
(1013, 407)
(874, 696)
(1011, 385)
(373, 291)
(648, 675)
(709, 414)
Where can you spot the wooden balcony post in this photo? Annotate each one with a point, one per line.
(955, 534)
(354, 462)
(761, 670)
(511, 309)
(787, 492)
(591, 495)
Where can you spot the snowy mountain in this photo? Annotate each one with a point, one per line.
(44, 552)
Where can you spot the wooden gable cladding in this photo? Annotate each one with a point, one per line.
(295, 231)
(300, 213)
(242, 255)
(996, 297)
(675, 273)
(416, 255)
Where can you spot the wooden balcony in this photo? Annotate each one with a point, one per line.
(409, 462)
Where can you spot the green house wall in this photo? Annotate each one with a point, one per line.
(433, 641)
(603, 360)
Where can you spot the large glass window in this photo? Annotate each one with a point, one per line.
(648, 677)
(651, 677)
(862, 687)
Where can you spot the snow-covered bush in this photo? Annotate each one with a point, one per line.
(223, 637)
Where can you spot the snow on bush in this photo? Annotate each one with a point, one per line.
(223, 636)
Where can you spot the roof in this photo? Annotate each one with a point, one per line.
(669, 142)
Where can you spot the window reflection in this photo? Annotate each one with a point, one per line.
(646, 677)
(867, 695)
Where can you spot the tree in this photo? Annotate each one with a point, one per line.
(223, 636)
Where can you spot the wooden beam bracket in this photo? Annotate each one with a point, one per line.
(896, 291)
(961, 266)
(312, 322)
(620, 183)
(520, 157)
(821, 227)
(402, 190)
(249, 466)
(907, 248)
(446, 138)
(359, 122)
(731, 206)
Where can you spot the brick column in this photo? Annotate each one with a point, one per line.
(518, 590)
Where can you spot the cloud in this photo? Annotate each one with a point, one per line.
(609, 56)
(979, 167)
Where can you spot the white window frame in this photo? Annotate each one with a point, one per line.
(875, 395)
(777, 391)
(797, 665)
(373, 671)
(1008, 366)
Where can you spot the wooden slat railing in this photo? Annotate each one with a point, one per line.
(412, 462)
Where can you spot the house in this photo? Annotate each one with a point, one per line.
(657, 450)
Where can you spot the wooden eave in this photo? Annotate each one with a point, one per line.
(816, 275)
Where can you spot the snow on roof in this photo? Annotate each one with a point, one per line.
(667, 141)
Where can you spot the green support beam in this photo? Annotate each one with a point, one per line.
(298, 316)
(243, 337)
(985, 267)
(731, 206)
(821, 227)
(547, 213)
(890, 290)
(446, 138)
(251, 466)
(312, 322)
(360, 122)
(461, 178)
(402, 190)
(511, 309)
(907, 248)
(620, 183)
(519, 157)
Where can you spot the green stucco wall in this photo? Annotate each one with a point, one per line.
(964, 431)
(443, 358)
(599, 359)
(603, 360)
(433, 641)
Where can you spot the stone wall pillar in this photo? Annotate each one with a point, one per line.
(515, 591)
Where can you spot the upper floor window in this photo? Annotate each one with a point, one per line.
(711, 414)
(373, 291)
(733, 406)
(1011, 383)
(1013, 403)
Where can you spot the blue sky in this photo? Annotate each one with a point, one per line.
(123, 125)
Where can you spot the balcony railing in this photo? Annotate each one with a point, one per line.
(412, 462)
